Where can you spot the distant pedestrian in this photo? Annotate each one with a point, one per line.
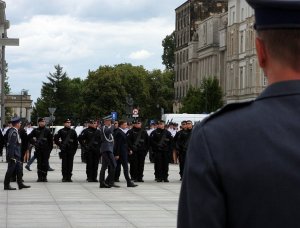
(42, 140)
(14, 156)
(66, 140)
(90, 141)
(138, 142)
(161, 143)
(121, 150)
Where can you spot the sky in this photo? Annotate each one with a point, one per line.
(83, 35)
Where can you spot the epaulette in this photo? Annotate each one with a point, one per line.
(226, 108)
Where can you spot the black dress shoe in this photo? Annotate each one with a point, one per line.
(114, 186)
(28, 168)
(131, 184)
(23, 186)
(104, 185)
(94, 180)
(9, 188)
(117, 180)
(50, 169)
(69, 180)
(140, 180)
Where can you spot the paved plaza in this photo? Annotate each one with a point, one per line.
(82, 204)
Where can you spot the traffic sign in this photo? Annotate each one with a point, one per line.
(135, 111)
(51, 110)
(114, 115)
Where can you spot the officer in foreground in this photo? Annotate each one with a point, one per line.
(14, 156)
(66, 139)
(242, 167)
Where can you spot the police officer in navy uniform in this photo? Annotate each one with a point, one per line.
(66, 139)
(242, 167)
(42, 139)
(138, 143)
(90, 140)
(181, 144)
(161, 143)
(14, 156)
(107, 154)
(121, 150)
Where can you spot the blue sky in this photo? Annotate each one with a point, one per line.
(82, 35)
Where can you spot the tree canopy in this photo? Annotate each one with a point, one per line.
(105, 90)
(206, 99)
(168, 57)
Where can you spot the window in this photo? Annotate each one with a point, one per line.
(242, 41)
(187, 75)
(250, 74)
(241, 77)
(242, 14)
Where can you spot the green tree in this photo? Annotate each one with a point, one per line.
(59, 92)
(7, 90)
(106, 89)
(212, 95)
(168, 57)
(206, 99)
(161, 85)
(103, 93)
(191, 102)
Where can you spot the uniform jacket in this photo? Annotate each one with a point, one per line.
(182, 140)
(107, 139)
(90, 139)
(138, 145)
(24, 139)
(41, 143)
(158, 143)
(243, 165)
(121, 146)
(14, 144)
(61, 136)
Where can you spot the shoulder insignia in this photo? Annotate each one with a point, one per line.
(225, 109)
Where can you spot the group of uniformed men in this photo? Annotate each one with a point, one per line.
(114, 142)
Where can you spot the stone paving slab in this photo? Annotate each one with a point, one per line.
(81, 204)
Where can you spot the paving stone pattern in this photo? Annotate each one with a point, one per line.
(82, 204)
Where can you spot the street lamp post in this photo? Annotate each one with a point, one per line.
(23, 91)
(52, 109)
(129, 105)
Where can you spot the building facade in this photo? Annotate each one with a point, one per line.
(244, 78)
(221, 44)
(19, 105)
(188, 16)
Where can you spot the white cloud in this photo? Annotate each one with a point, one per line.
(82, 35)
(140, 55)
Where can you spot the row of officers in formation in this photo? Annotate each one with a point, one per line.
(112, 142)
